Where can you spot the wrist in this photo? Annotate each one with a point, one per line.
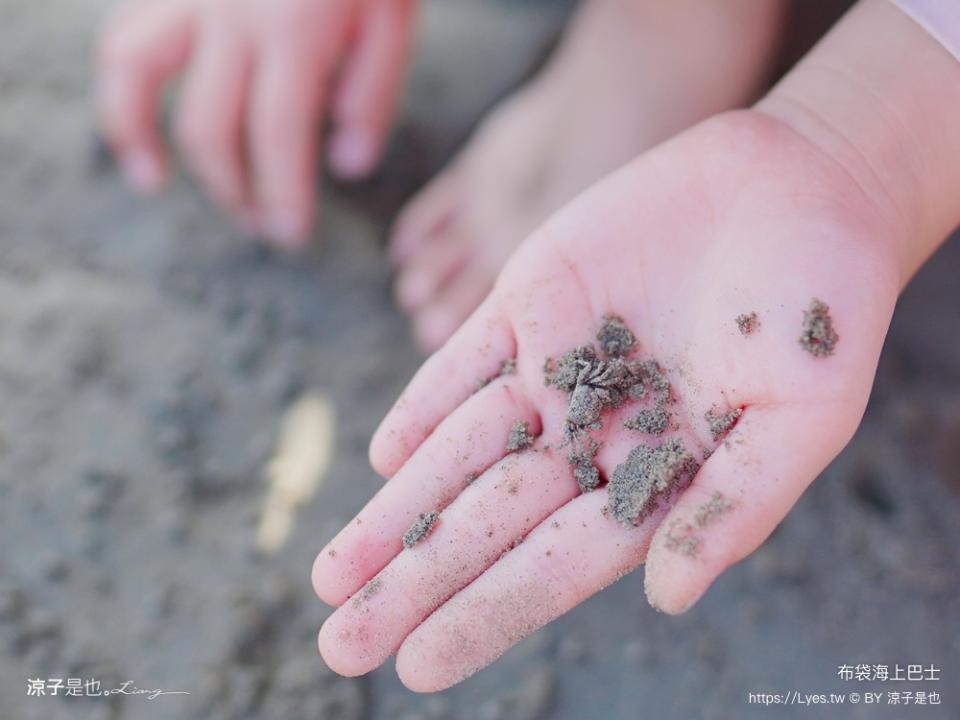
(881, 98)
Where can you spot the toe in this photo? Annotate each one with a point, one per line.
(451, 306)
(429, 271)
(428, 213)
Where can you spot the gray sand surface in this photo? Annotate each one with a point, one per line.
(147, 356)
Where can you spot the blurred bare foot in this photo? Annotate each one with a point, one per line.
(626, 76)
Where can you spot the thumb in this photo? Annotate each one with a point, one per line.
(741, 494)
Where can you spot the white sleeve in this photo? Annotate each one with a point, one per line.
(941, 18)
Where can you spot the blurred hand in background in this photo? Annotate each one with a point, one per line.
(260, 77)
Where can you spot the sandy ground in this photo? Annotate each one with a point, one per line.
(148, 355)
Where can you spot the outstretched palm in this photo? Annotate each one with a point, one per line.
(736, 217)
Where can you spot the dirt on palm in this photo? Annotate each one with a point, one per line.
(520, 437)
(649, 421)
(649, 476)
(721, 423)
(150, 353)
(818, 337)
(581, 459)
(614, 337)
(748, 323)
(421, 527)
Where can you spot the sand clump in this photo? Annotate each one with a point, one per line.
(581, 459)
(595, 384)
(599, 380)
(614, 337)
(681, 538)
(721, 424)
(520, 437)
(682, 535)
(563, 374)
(421, 527)
(748, 323)
(717, 505)
(600, 386)
(368, 591)
(507, 367)
(818, 337)
(648, 476)
(649, 421)
(654, 378)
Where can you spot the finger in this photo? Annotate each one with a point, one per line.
(423, 277)
(489, 516)
(486, 520)
(741, 494)
(286, 105)
(445, 380)
(440, 318)
(428, 214)
(461, 449)
(210, 120)
(570, 555)
(369, 87)
(140, 48)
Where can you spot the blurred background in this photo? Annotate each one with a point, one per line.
(160, 510)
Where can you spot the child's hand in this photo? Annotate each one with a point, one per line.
(738, 216)
(260, 81)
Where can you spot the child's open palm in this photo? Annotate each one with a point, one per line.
(738, 216)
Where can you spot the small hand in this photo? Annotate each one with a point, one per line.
(260, 81)
(738, 216)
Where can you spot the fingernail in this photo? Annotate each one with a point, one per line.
(351, 153)
(142, 171)
(285, 229)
